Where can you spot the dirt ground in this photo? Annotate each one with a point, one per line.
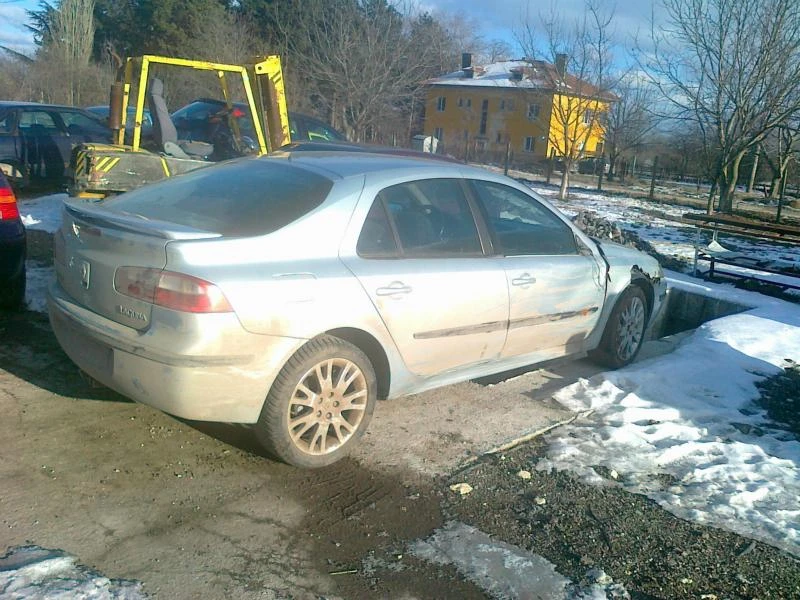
(194, 510)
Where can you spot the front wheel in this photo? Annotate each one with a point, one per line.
(320, 404)
(624, 333)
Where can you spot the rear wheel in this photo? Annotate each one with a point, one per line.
(624, 332)
(320, 404)
(12, 294)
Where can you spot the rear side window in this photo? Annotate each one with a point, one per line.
(7, 121)
(236, 199)
(432, 218)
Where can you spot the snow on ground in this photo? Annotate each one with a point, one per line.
(31, 572)
(683, 428)
(42, 213)
(506, 571)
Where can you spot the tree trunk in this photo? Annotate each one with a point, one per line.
(711, 193)
(752, 179)
(563, 191)
(727, 193)
(727, 188)
(774, 187)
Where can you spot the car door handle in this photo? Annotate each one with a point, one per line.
(394, 288)
(524, 279)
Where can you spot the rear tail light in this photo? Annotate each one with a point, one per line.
(8, 202)
(175, 291)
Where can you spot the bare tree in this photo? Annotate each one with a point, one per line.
(629, 120)
(359, 62)
(580, 78)
(69, 45)
(733, 69)
(778, 149)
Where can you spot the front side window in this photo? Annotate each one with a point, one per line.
(533, 112)
(587, 116)
(520, 225)
(78, 123)
(432, 218)
(441, 102)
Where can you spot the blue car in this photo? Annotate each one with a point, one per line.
(12, 249)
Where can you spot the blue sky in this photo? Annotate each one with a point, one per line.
(12, 24)
(497, 20)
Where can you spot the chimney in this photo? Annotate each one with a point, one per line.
(561, 64)
(466, 64)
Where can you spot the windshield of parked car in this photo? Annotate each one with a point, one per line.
(237, 199)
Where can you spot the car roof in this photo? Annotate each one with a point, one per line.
(342, 164)
(14, 103)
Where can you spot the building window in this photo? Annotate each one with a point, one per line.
(465, 102)
(506, 104)
(499, 137)
(441, 101)
(533, 112)
(530, 142)
(438, 133)
(484, 116)
(587, 116)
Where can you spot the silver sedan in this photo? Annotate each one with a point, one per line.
(292, 291)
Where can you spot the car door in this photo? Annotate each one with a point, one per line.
(556, 288)
(44, 139)
(420, 259)
(11, 151)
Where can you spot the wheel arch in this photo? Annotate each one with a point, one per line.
(642, 281)
(370, 346)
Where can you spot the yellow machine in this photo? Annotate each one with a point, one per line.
(100, 170)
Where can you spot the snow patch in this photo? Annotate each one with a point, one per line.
(32, 572)
(42, 213)
(506, 571)
(690, 415)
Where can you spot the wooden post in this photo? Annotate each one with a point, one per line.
(508, 154)
(602, 170)
(653, 179)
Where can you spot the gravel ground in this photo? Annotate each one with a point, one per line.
(577, 526)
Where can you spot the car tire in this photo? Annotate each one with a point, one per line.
(319, 405)
(624, 333)
(12, 295)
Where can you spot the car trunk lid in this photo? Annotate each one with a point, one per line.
(93, 243)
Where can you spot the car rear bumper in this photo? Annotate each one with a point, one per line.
(193, 376)
(12, 250)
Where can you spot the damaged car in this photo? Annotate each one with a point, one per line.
(290, 292)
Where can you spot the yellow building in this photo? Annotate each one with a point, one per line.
(533, 105)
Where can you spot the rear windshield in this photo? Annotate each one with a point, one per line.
(236, 199)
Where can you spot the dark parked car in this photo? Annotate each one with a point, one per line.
(102, 111)
(204, 119)
(12, 249)
(36, 139)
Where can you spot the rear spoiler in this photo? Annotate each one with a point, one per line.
(102, 216)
